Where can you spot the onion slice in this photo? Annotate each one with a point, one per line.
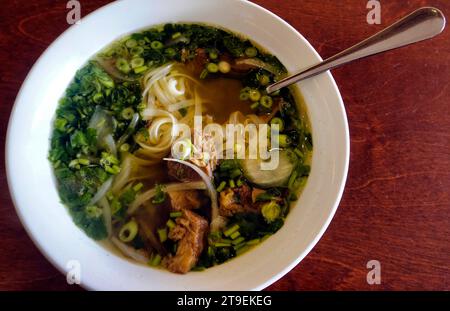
(101, 192)
(216, 222)
(109, 142)
(131, 252)
(130, 130)
(107, 215)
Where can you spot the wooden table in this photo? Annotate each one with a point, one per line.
(396, 205)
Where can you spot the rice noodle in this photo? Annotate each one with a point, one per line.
(215, 217)
(138, 255)
(173, 83)
(167, 90)
(161, 136)
(181, 105)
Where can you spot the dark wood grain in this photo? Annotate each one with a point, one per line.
(396, 205)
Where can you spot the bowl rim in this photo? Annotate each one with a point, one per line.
(58, 265)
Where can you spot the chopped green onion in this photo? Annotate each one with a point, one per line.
(234, 235)
(131, 43)
(203, 74)
(254, 95)
(198, 268)
(298, 153)
(141, 69)
(162, 234)
(138, 187)
(138, 50)
(224, 67)
(214, 236)
(84, 161)
(156, 45)
(137, 62)
(170, 224)
(238, 246)
(93, 211)
(242, 250)
(231, 230)
(124, 147)
(170, 52)
(292, 179)
(212, 68)
(254, 105)
(271, 211)
(123, 65)
(232, 184)
(253, 242)
(213, 55)
(279, 122)
(284, 140)
(110, 163)
(160, 195)
(129, 231)
(121, 50)
(115, 206)
(239, 183)
(239, 240)
(176, 35)
(264, 80)
(221, 186)
(155, 261)
(74, 164)
(176, 214)
(221, 244)
(127, 113)
(251, 51)
(243, 96)
(266, 101)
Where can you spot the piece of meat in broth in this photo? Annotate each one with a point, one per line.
(188, 199)
(181, 172)
(237, 200)
(190, 232)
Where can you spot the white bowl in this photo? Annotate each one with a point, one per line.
(48, 223)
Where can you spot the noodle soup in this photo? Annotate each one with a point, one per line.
(117, 125)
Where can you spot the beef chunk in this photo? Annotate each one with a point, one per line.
(181, 172)
(236, 200)
(191, 231)
(188, 199)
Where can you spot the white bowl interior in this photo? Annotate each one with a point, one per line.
(47, 221)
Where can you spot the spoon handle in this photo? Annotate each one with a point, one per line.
(420, 25)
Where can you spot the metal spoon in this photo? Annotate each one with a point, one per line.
(425, 23)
